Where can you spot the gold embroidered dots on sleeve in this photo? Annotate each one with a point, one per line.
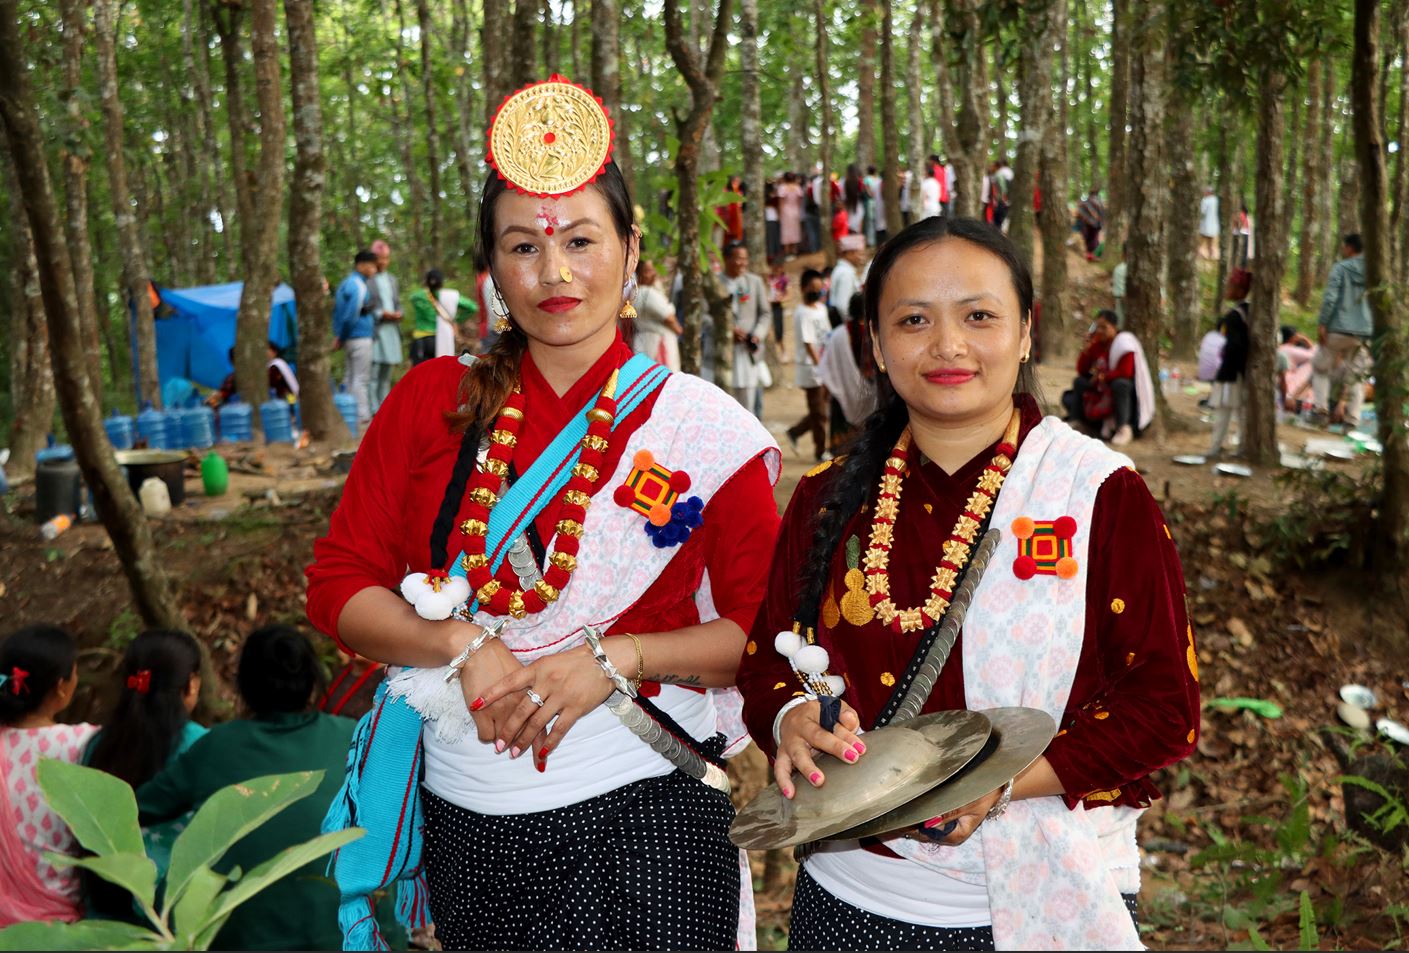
(887, 679)
(1117, 606)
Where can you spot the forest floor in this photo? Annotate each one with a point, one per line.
(1250, 843)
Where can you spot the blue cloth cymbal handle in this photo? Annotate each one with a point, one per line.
(831, 712)
(938, 833)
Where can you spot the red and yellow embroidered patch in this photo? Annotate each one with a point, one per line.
(651, 489)
(1044, 547)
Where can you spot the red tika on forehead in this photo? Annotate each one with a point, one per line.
(548, 218)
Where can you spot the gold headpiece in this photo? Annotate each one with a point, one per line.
(550, 138)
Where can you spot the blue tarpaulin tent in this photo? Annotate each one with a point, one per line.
(194, 340)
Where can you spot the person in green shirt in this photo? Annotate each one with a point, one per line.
(437, 311)
(277, 679)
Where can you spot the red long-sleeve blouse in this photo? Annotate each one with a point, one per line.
(1134, 704)
(381, 528)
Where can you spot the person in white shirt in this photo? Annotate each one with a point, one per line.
(846, 280)
(812, 327)
(1208, 225)
(929, 194)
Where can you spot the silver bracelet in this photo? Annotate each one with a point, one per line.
(997, 810)
(778, 718)
(459, 662)
(594, 642)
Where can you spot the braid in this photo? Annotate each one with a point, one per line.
(465, 461)
(853, 477)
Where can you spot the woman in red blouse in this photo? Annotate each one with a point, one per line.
(548, 824)
(871, 547)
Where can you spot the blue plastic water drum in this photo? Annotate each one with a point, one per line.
(278, 421)
(198, 427)
(347, 407)
(119, 428)
(152, 426)
(236, 421)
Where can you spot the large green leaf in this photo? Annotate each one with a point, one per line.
(193, 910)
(225, 817)
(133, 872)
(281, 865)
(99, 809)
(83, 935)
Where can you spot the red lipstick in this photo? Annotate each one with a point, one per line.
(949, 376)
(559, 305)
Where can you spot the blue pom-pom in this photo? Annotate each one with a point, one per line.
(659, 543)
(695, 503)
(680, 511)
(695, 520)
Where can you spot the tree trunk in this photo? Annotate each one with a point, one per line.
(966, 151)
(1325, 252)
(948, 126)
(1042, 32)
(918, 143)
(1053, 222)
(1391, 553)
(829, 245)
(404, 131)
(702, 74)
(606, 75)
(525, 63)
(465, 150)
(1183, 232)
(1086, 80)
(890, 127)
(1312, 182)
(76, 154)
(195, 97)
(134, 259)
(315, 393)
(1228, 166)
(116, 505)
(1296, 132)
(751, 129)
(1259, 444)
(869, 13)
(225, 206)
(264, 199)
(494, 54)
(550, 39)
(1124, 31)
(1149, 204)
(574, 35)
(799, 130)
(1400, 188)
(430, 134)
(31, 368)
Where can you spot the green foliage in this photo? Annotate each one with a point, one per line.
(1328, 517)
(1391, 814)
(102, 812)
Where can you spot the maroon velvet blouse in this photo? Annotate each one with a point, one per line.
(1134, 704)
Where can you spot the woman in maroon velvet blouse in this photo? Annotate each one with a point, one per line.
(949, 303)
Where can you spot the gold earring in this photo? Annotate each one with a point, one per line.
(502, 326)
(627, 312)
(1023, 359)
(882, 366)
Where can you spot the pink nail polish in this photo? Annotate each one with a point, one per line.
(499, 746)
(788, 793)
(515, 751)
(850, 755)
(934, 821)
(860, 748)
(816, 777)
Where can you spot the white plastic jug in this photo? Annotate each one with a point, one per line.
(156, 498)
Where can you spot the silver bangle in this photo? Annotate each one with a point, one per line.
(594, 642)
(997, 810)
(487, 632)
(778, 718)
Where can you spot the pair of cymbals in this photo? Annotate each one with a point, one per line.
(911, 772)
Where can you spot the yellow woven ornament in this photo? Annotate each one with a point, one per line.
(551, 138)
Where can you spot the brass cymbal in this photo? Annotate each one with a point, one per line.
(1019, 737)
(901, 762)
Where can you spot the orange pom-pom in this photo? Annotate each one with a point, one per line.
(1023, 527)
(1066, 567)
(643, 460)
(660, 514)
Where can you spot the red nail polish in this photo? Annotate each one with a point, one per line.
(542, 754)
(850, 755)
(816, 777)
(542, 766)
(477, 704)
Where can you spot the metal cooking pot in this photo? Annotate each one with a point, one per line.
(169, 466)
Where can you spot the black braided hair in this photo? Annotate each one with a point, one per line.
(857, 471)
(465, 461)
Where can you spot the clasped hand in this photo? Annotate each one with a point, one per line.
(497, 685)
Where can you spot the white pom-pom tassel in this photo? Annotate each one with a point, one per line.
(459, 589)
(835, 685)
(788, 643)
(435, 606)
(811, 659)
(435, 602)
(414, 586)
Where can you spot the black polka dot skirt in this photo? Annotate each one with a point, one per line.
(648, 866)
(822, 922)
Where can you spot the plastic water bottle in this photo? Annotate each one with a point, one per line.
(198, 427)
(151, 427)
(119, 428)
(236, 421)
(347, 407)
(215, 474)
(278, 422)
(55, 526)
(155, 497)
